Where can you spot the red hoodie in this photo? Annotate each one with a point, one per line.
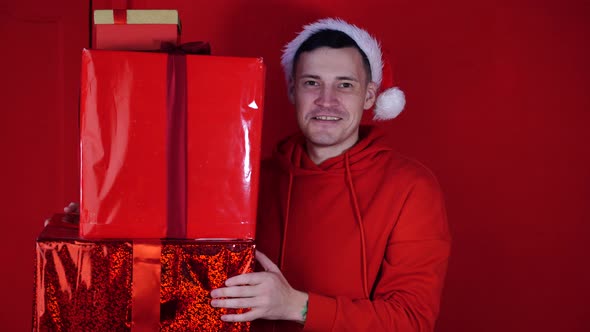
(364, 233)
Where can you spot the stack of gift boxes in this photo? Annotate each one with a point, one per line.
(170, 155)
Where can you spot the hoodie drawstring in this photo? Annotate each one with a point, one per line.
(359, 218)
(283, 244)
(288, 207)
(357, 212)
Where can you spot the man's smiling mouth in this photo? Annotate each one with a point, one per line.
(326, 118)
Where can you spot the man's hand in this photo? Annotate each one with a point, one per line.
(268, 294)
(72, 208)
(72, 214)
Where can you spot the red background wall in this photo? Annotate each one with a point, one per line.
(498, 107)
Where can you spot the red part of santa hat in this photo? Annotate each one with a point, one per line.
(391, 100)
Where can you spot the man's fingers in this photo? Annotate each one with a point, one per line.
(253, 278)
(235, 291)
(239, 303)
(232, 303)
(266, 263)
(72, 208)
(245, 317)
(68, 208)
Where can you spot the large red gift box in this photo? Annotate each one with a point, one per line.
(170, 145)
(132, 285)
(134, 29)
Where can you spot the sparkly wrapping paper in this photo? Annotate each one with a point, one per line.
(107, 285)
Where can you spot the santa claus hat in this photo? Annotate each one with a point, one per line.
(391, 100)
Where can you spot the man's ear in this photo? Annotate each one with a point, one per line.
(371, 95)
(291, 90)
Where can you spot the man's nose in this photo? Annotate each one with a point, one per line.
(326, 97)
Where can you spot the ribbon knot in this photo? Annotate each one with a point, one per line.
(198, 48)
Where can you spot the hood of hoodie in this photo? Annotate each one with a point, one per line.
(292, 155)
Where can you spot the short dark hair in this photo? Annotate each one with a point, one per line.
(332, 39)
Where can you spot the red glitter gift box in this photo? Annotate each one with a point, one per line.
(134, 29)
(170, 145)
(132, 285)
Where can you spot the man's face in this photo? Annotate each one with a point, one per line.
(330, 92)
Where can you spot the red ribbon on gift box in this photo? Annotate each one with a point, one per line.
(120, 16)
(145, 295)
(176, 110)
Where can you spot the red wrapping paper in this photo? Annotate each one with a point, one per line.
(132, 285)
(128, 188)
(129, 29)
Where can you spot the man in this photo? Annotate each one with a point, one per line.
(356, 233)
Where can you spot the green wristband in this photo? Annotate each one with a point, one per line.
(304, 311)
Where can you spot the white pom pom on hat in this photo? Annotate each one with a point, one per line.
(391, 100)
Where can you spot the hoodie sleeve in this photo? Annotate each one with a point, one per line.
(406, 294)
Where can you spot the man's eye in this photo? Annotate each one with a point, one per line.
(346, 85)
(311, 83)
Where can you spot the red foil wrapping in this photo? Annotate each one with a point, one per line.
(142, 176)
(132, 285)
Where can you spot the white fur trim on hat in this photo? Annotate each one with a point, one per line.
(362, 38)
(389, 103)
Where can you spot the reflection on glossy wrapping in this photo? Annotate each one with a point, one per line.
(224, 132)
(132, 163)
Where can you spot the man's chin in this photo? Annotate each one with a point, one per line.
(321, 137)
(322, 140)
(322, 143)
(327, 138)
